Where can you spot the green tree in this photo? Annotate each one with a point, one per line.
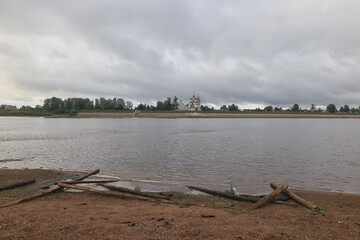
(26, 108)
(141, 106)
(346, 108)
(233, 107)
(175, 103)
(166, 105)
(268, 109)
(295, 108)
(206, 108)
(54, 104)
(331, 108)
(224, 108)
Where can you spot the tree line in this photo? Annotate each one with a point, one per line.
(69, 105)
(331, 108)
(57, 105)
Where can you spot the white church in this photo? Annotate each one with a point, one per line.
(193, 105)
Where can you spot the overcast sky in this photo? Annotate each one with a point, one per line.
(274, 52)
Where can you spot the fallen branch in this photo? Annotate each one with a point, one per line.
(245, 198)
(284, 203)
(127, 190)
(87, 175)
(20, 184)
(111, 194)
(268, 198)
(37, 195)
(12, 160)
(296, 198)
(87, 181)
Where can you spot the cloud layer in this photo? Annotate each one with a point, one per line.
(277, 52)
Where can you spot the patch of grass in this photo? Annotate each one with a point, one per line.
(319, 210)
(182, 204)
(218, 205)
(137, 188)
(232, 211)
(7, 198)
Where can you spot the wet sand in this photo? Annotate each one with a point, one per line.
(68, 215)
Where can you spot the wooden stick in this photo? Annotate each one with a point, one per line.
(111, 194)
(56, 189)
(11, 160)
(87, 181)
(127, 190)
(245, 198)
(87, 175)
(296, 198)
(268, 198)
(20, 184)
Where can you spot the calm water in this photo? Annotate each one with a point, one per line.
(318, 154)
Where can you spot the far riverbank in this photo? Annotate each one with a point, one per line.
(141, 114)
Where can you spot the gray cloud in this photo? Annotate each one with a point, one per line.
(247, 52)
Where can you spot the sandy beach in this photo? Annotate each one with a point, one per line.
(82, 215)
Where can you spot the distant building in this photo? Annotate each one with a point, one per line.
(10, 107)
(194, 104)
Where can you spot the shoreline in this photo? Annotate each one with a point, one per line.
(80, 215)
(140, 114)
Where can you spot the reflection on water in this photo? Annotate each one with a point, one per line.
(306, 153)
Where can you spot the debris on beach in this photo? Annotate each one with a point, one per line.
(245, 198)
(279, 195)
(53, 190)
(15, 185)
(126, 193)
(268, 198)
(11, 160)
(135, 192)
(296, 198)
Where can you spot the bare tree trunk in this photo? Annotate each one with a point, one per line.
(296, 198)
(111, 194)
(245, 198)
(20, 184)
(121, 189)
(56, 189)
(268, 198)
(89, 181)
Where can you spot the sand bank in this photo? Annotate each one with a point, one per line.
(88, 216)
(208, 115)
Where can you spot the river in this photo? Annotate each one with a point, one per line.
(317, 154)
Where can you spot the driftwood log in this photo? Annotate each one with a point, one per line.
(56, 189)
(111, 194)
(87, 175)
(245, 198)
(268, 198)
(296, 198)
(127, 190)
(19, 184)
(87, 181)
(12, 160)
